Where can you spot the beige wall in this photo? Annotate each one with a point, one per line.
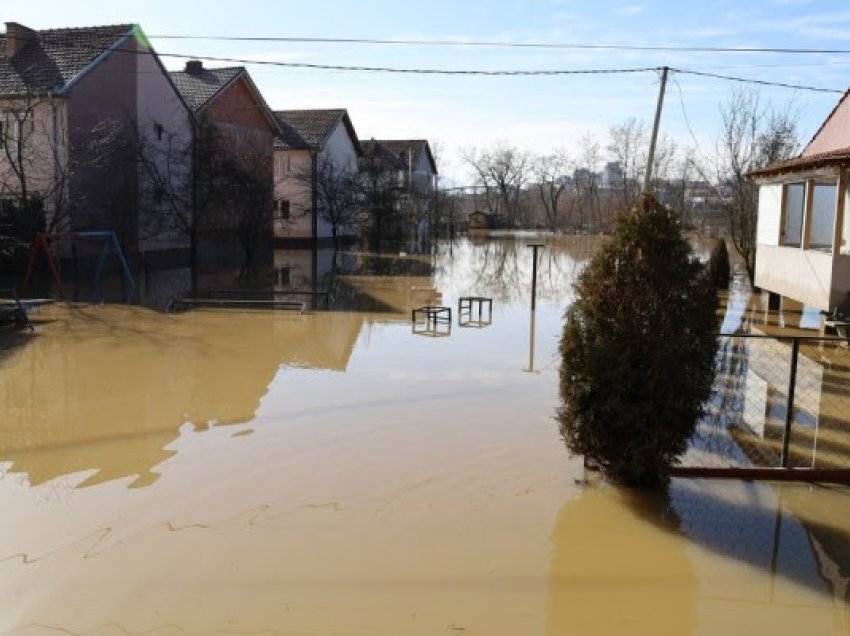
(43, 154)
(805, 275)
(293, 186)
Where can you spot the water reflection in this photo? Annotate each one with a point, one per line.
(367, 481)
(748, 413)
(613, 572)
(708, 557)
(106, 389)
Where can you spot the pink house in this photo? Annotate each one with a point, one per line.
(312, 145)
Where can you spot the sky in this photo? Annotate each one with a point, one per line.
(538, 114)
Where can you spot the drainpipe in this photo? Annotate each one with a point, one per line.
(55, 142)
(314, 187)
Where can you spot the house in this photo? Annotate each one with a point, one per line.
(478, 221)
(803, 234)
(413, 171)
(234, 150)
(75, 107)
(315, 161)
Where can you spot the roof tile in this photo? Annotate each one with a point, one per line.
(55, 57)
(198, 88)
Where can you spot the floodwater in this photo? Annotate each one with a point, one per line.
(335, 473)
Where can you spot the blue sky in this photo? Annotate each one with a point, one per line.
(536, 113)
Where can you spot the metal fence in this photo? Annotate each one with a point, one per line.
(778, 402)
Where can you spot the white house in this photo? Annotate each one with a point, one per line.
(414, 164)
(803, 234)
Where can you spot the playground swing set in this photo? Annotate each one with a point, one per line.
(42, 242)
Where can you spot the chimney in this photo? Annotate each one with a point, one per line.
(17, 37)
(194, 67)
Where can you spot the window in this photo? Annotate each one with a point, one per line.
(284, 276)
(281, 209)
(288, 167)
(795, 200)
(158, 130)
(822, 226)
(15, 126)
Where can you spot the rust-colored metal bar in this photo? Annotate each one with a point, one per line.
(805, 475)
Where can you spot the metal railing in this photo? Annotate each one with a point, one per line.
(777, 403)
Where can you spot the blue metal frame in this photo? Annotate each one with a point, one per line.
(104, 252)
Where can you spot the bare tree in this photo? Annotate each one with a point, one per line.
(587, 199)
(379, 191)
(627, 146)
(34, 169)
(502, 172)
(550, 185)
(752, 135)
(336, 192)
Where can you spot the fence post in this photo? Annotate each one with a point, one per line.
(789, 407)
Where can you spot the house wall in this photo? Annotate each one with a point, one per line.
(422, 177)
(245, 132)
(104, 196)
(338, 148)
(44, 152)
(295, 188)
(835, 132)
(804, 275)
(158, 103)
(769, 214)
(840, 280)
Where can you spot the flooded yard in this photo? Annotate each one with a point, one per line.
(335, 473)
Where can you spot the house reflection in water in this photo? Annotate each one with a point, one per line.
(70, 405)
(755, 378)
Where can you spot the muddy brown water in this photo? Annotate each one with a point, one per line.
(334, 473)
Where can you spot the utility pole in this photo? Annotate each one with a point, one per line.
(647, 180)
(533, 320)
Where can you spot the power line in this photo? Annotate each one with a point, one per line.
(746, 80)
(464, 72)
(503, 44)
(414, 71)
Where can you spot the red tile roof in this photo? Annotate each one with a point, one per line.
(800, 163)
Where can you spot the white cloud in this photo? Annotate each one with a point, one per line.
(630, 9)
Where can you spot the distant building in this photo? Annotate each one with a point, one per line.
(803, 235)
(612, 175)
(478, 220)
(584, 178)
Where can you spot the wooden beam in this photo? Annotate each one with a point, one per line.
(806, 238)
(841, 196)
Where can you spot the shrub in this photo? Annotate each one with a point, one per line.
(718, 270)
(638, 350)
